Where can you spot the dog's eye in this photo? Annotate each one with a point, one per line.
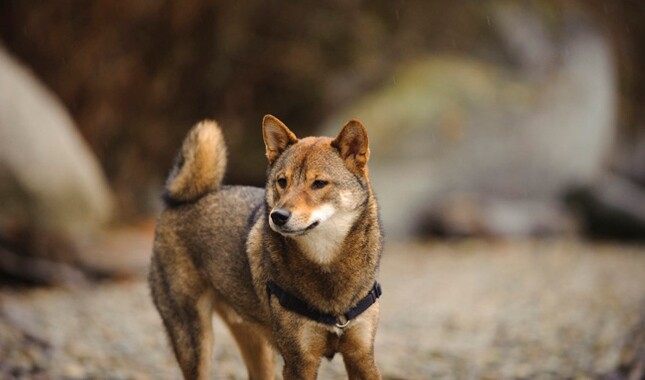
(282, 182)
(318, 184)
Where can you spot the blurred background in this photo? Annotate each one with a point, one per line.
(495, 126)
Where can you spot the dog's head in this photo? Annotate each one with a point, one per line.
(315, 183)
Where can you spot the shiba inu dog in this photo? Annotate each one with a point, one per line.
(290, 267)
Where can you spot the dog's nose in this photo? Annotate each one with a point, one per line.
(280, 217)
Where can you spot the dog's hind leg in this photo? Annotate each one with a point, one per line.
(187, 311)
(257, 352)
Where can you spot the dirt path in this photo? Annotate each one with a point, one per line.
(472, 310)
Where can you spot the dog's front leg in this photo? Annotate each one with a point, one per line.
(357, 346)
(301, 356)
(299, 367)
(302, 345)
(360, 365)
(359, 361)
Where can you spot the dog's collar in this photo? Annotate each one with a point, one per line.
(296, 305)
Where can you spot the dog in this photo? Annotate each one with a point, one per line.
(291, 267)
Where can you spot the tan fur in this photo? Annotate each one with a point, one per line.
(201, 163)
(277, 136)
(353, 146)
(217, 246)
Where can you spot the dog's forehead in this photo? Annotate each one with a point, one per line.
(310, 153)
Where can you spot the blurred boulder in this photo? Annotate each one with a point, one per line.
(52, 189)
(453, 126)
(49, 175)
(461, 215)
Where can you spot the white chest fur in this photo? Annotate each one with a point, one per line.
(323, 243)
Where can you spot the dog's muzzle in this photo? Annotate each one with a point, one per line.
(280, 217)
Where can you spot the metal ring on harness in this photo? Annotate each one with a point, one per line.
(340, 324)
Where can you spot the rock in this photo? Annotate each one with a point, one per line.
(48, 175)
(461, 215)
(450, 124)
(52, 189)
(73, 371)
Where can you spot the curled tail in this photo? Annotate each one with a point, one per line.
(199, 166)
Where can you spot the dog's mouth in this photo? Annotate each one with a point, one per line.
(300, 232)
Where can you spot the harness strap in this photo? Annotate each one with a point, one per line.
(296, 305)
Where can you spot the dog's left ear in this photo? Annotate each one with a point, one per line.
(352, 146)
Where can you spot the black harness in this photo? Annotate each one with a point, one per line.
(296, 305)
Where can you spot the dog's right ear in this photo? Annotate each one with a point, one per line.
(277, 137)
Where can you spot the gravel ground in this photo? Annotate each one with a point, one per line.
(469, 310)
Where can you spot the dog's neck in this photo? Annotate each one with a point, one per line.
(323, 244)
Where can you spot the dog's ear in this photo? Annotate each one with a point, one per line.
(277, 137)
(352, 146)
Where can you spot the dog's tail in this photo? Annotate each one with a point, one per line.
(199, 166)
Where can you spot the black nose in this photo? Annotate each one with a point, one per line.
(280, 217)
